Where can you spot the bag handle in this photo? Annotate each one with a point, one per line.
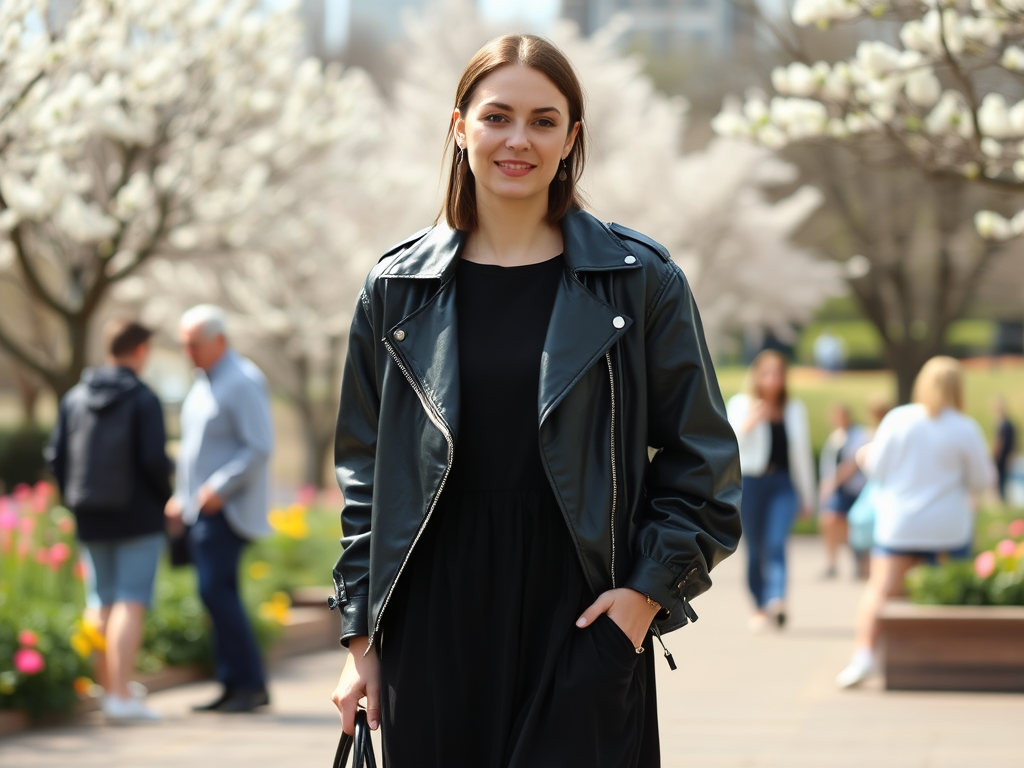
(361, 744)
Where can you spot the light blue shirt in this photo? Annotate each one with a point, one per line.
(227, 438)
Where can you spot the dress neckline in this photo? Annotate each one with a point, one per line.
(536, 266)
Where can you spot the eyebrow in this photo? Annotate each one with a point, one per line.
(507, 108)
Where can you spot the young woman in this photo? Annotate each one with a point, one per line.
(927, 458)
(509, 546)
(778, 479)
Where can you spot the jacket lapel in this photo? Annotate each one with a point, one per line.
(582, 327)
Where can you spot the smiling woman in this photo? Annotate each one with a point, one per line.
(507, 371)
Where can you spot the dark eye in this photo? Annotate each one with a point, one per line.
(545, 122)
(494, 118)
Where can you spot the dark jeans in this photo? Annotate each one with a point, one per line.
(216, 550)
(769, 506)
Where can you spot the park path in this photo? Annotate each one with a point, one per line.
(737, 701)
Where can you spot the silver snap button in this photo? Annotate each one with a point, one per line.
(619, 322)
(630, 259)
(399, 335)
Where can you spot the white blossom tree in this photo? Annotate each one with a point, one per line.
(710, 208)
(138, 130)
(908, 139)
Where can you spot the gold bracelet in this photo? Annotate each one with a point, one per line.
(653, 603)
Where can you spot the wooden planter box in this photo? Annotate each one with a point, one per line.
(952, 648)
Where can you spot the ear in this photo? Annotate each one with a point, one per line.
(570, 140)
(459, 128)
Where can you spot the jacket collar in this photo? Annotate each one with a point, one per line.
(588, 246)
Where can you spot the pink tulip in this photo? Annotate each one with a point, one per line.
(1006, 548)
(79, 570)
(29, 661)
(66, 525)
(28, 638)
(8, 519)
(985, 564)
(43, 556)
(27, 525)
(1017, 528)
(22, 492)
(59, 554)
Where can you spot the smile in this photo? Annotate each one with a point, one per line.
(514, 167)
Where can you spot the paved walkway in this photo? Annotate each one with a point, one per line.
(737, 701)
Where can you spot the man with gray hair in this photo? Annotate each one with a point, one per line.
(221, 494)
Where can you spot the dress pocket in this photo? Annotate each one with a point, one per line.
(612, 638)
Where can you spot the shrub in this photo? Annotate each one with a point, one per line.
(21, 456)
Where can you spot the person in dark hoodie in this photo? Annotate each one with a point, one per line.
(107, 454)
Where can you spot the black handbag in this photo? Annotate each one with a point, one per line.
(359, 745)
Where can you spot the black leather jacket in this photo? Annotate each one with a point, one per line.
(624, 367)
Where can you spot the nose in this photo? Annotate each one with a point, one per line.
(518, 140)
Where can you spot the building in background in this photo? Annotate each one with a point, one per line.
(665, 26)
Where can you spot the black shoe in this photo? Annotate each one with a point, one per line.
(245, 701)
(780, 619)
(215, 704)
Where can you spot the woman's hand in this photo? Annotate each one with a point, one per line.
(759, 411)
(627, 608)
(359, 678)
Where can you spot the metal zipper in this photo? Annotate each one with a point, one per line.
(615, 479)
(440, 424)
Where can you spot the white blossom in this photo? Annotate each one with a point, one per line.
(923, 87)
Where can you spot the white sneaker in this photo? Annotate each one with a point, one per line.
(860, 668)
(137, 689)
(116, 708)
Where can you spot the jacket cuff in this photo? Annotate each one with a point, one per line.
(353, 618)
(653, 578)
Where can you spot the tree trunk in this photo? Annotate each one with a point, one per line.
(29, 389)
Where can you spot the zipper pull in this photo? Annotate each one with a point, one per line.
(668, 655)
(688, 610)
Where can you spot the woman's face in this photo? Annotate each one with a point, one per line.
(771, 378)
(516, 131)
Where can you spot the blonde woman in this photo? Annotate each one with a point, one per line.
(927, 459)
(778, 479)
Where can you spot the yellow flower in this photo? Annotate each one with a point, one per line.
(276, 609)
(259, 570)
(82, 686)
(290, 522)
(81, 645)
(95, 637)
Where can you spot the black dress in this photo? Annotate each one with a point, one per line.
(481, 662)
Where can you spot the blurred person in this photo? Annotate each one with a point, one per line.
(927, 458)
(829, 352)
(221, 494)
(1004, 447)
(778, 479)
(508, 541)
(861, 518)
(841, 482)
(107, 453)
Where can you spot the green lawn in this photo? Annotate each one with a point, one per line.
(857, 388)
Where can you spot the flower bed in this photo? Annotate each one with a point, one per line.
(962, 629)
(45, 646)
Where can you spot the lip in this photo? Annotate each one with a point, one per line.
(514, 167)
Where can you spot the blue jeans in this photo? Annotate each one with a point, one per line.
(121, 570)
(768, 508)
(216, 550)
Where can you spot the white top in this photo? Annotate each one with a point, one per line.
(756, 445)
(840, 447)
(926, 469)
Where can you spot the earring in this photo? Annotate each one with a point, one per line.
(562, 175)
(462, 154)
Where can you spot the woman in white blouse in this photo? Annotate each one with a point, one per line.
(927, 459)
(778, 479)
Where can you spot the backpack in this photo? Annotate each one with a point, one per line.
(101, 456)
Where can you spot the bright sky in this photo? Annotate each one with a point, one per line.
(539, 12)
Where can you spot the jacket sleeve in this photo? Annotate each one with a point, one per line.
(691, 517)
(151, 440)
(56, 451)
(802, 456)
(250, 410)
(355, 454)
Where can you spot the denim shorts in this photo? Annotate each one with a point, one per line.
(841, 502)
(930, 557)
(121, 570)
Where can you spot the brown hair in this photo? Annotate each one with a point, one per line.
(123, 336)
(940, 385)
(526, 51)
(762, 358)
